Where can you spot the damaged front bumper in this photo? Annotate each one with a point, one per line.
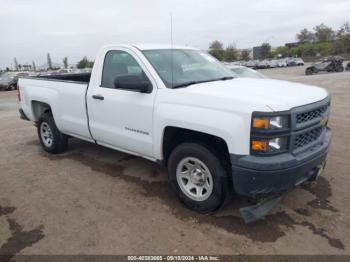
(260, 177)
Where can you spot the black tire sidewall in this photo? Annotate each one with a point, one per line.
(59, 142)
(219, 175)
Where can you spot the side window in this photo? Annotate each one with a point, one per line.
(119, 63)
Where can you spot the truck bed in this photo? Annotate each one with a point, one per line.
(66, 96)
(81, 78)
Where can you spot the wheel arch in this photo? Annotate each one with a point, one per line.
(173, 136)
(39, 108)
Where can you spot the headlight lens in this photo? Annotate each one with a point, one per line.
(271, 145)
(270, 123)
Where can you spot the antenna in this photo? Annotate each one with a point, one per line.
(171, 55)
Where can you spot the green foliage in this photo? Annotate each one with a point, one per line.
(15, 64)
(33, 66)
(216, 45)
(231, 53)
(309, 50)
(49, 61)
(323, 33)
(245, 55)
(324, 48)
(342, 44)
(322, 41)
(85, 63)
(218, 54)
(65, 62)
(305, 36)
(216, 49)
(282, 51)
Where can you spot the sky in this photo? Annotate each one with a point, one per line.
(75, 28)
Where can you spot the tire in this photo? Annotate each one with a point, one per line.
(184, 163)
(339, 69)
(309, 71)
(51, 139)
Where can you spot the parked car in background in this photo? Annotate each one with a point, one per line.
(262, 64)
(348, 66)
(295, 61)
(329, 64)
(244, 72)
(281, 63)
(251, 63)
(8, 80)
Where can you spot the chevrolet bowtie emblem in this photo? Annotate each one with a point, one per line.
(324, 121)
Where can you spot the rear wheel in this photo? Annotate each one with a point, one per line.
(198, 177)
(339, 69)
(309, 71)
(51, 139)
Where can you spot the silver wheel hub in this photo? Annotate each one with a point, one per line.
(46, 134)
(194, 179)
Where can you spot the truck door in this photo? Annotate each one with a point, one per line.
(121, 118)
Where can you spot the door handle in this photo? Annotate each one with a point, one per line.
(99, 97)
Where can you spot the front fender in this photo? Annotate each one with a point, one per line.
(233, 128)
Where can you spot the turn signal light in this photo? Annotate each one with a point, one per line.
(261, 123)
(259, 146)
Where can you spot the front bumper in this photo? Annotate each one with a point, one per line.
(22, 115)
(261, 176)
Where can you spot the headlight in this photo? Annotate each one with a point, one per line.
(269, 145)
(270, 122)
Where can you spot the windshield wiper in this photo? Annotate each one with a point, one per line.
(199, 82)
(226, 78)
(187, 84)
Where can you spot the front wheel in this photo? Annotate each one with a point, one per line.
(198, 177)
(51, 139)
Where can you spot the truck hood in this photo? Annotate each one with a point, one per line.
(275, 94)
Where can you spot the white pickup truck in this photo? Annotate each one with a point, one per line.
(180, 107)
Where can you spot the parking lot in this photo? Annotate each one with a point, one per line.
(94, 200)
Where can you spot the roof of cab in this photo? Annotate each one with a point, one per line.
(150, 46)
(161, 46)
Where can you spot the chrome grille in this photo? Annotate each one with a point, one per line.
(310, 115)
(307, 137)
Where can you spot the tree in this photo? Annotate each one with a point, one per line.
(49, 61)
(19, 67)
(85, 63)
(65, 62)
(7, 69)
(216, 45)
(265, 51)
(33, 66)
(305, 36)
(231, 53)
(324, 48)
(324, 33)
(245, 55)
(309, 50)
(342, 44)
(216, 49)
(282, 51)
(15, 64)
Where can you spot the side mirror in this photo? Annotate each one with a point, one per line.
(132, 83)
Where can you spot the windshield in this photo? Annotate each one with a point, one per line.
(246, 72)
(181, 67)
